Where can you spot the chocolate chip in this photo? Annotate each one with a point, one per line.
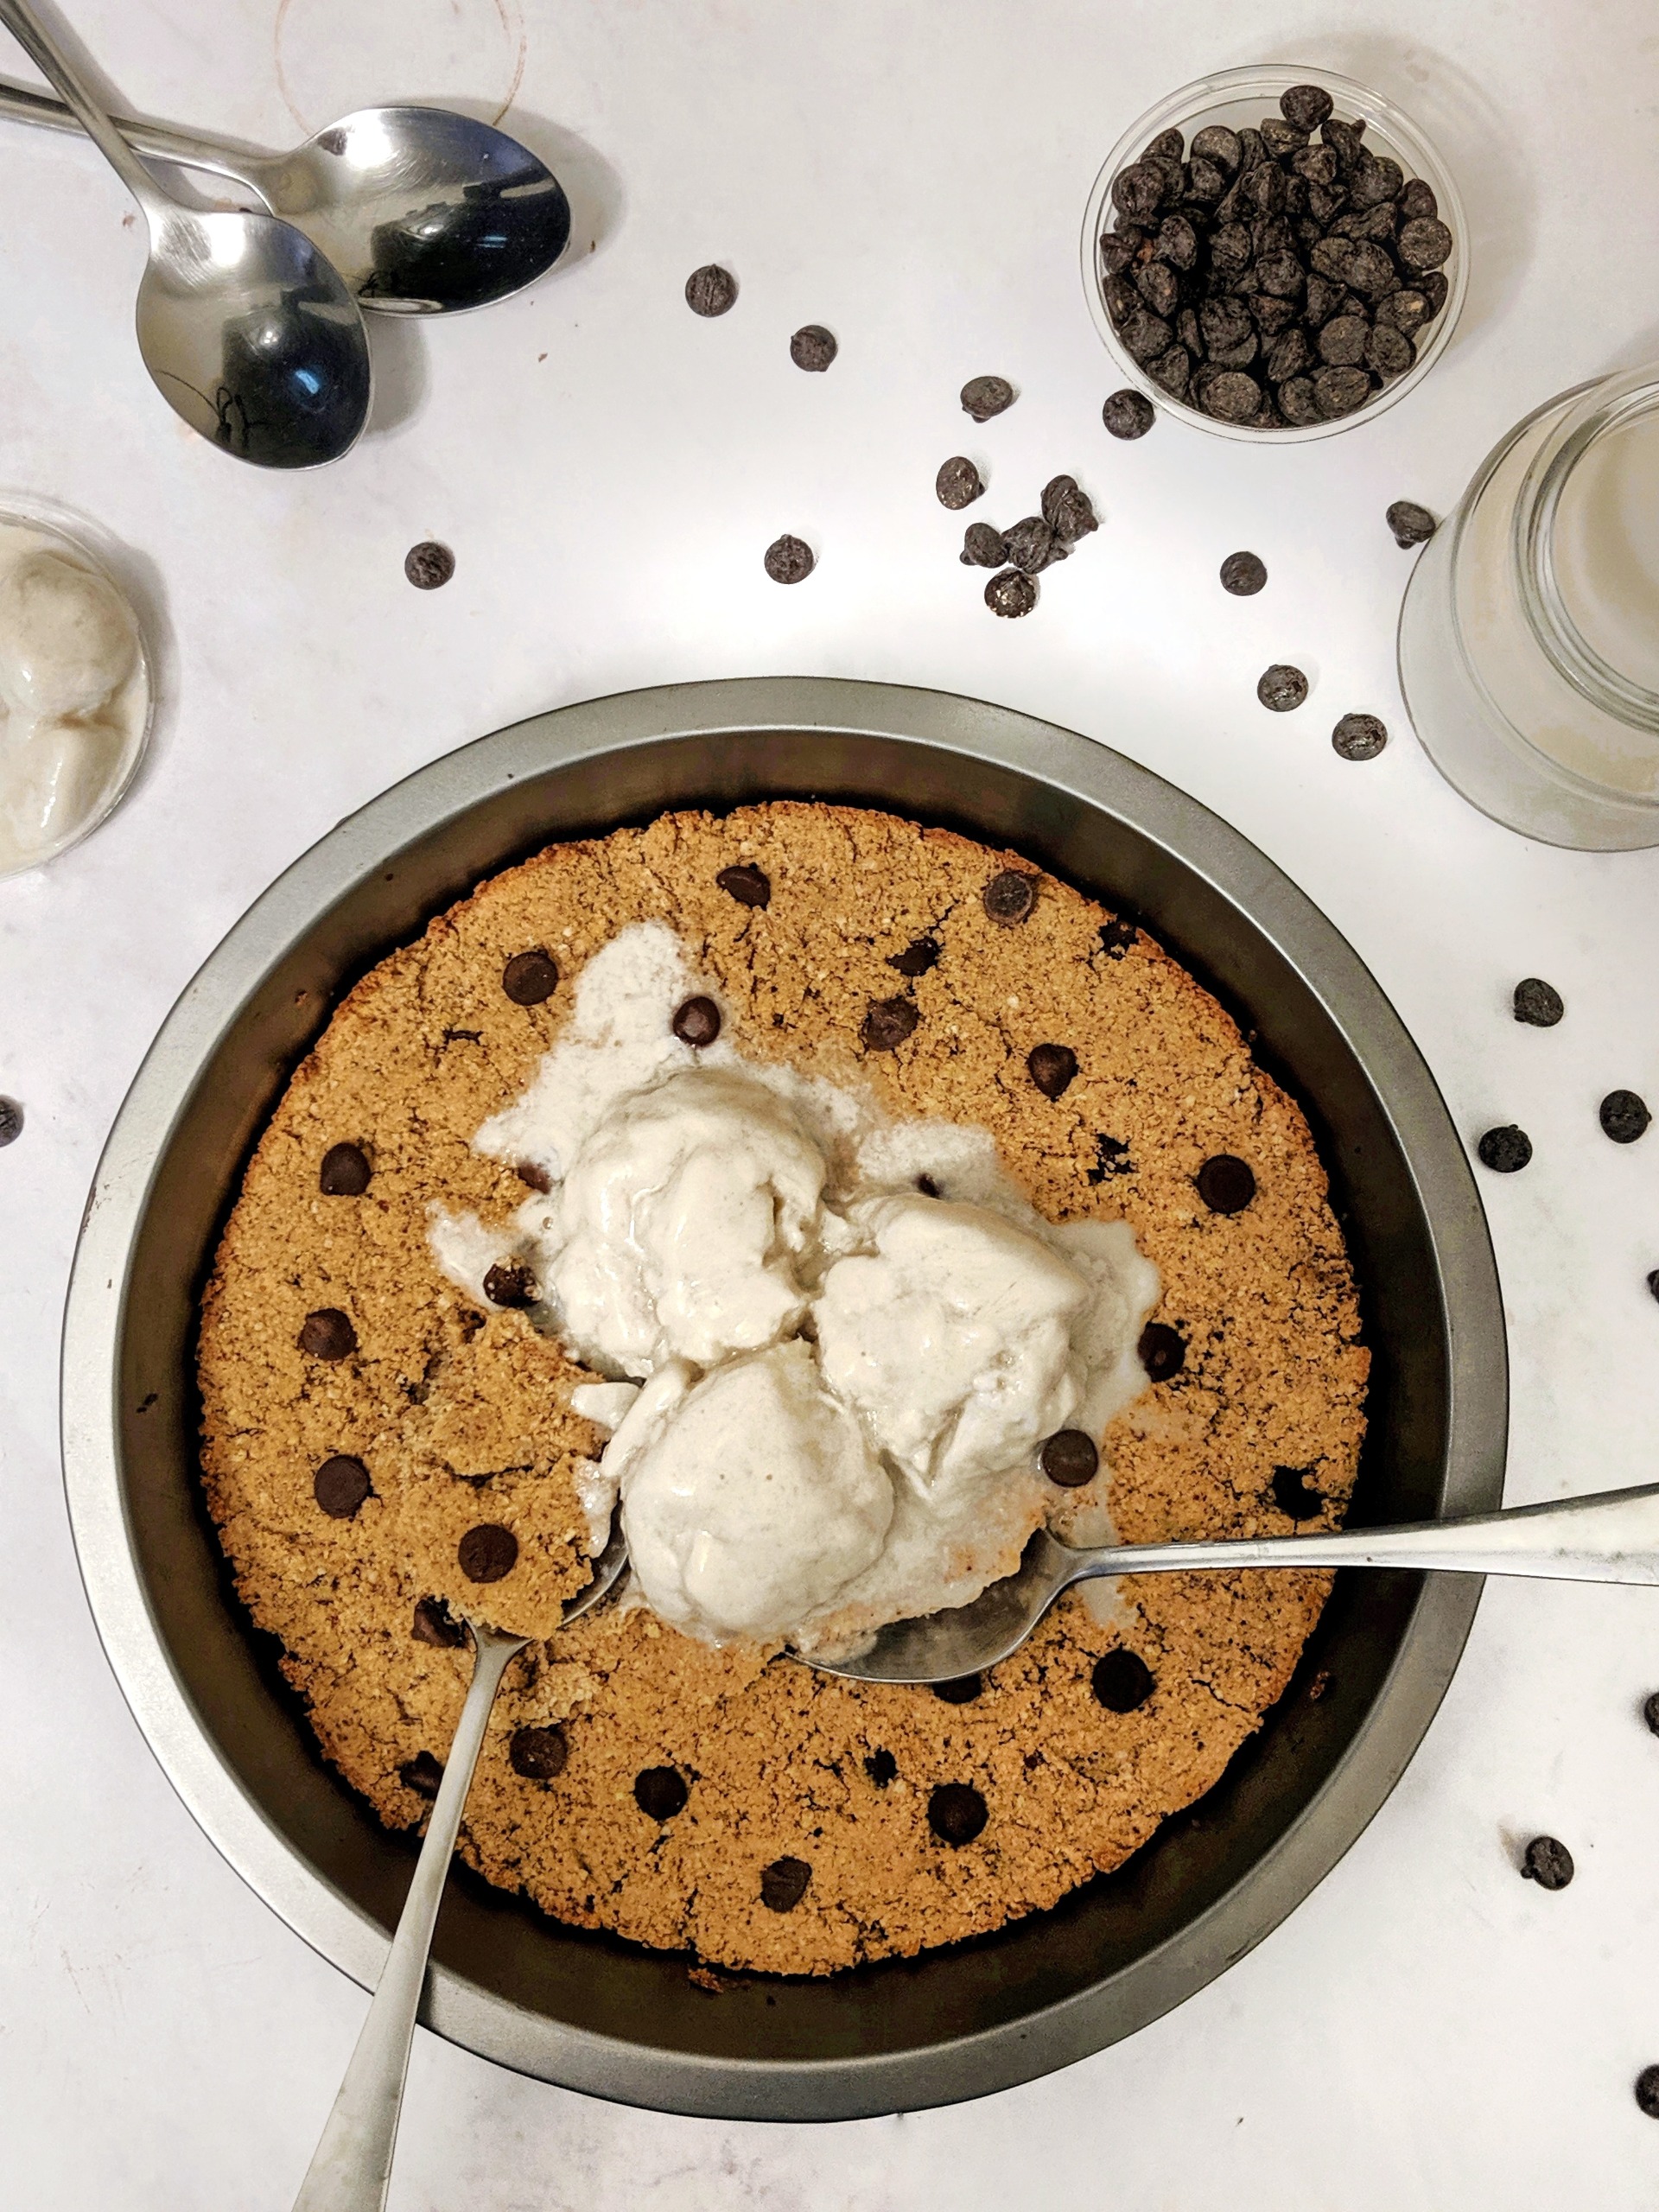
(436, 1625)
(11, 1121)
(1294, 1495)
(1122, 1680)
(1116, 937)
(1647, 2091)
(955, 1813)
(1111, 1158)
(1624, 1116)
(1411, 525)
(1418, 199)
(1651, 1710)
(711, 290)
(921, 954)
(1231, 396)
(340, 1486)
(963, 1691)
(1305, 105)
(660, 1792)
(1547, 1862)
(749, 885)
(1129, 413)
(1216, 142)
(1505, 1150)
(1281, 688)
(1070, 1458)
(487, 1552)
(532, 1175)
(1296, 401)
(1243, 574)
(886, 1025)
(510, 1283)
(345, 1172)
(696, 1021)
(1435, 289)
(813, 348)
(530, 977)
(1537, 1003)
(1162, 1351)
(882, 1768)
(1653, 1283)
(328, 1334)
(789, 559)
(1009, 897)
(1226, 1184)
(958, 483)
(783, 1884)
(1052, 1068)
(1341, 340)
(1011, 594)
(1339, 392)
(1034, 546)
(983, 397)
(422, 1773)
(983, 547)
(538, 1754)
(1425, 242)
(1359, 737)
(1067, 509)
(428, 564)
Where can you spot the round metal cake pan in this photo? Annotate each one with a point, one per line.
(597, 2014)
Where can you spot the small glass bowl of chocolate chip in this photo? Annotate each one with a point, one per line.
(1275, 253)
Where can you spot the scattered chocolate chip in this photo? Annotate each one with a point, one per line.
(328, 1334)
(882, 1768)
(422, 1773)
(711, 290)
(660, 1792)
(1011, 594)
(1305, 105)
(340, 1486)
(921, 954)
(11, 1121)
(530, 977)
(696, 1021)
(1281, 688)
(1411, 525)
(532, 1175)
(958, 483)
(1008, 898)
(436, 1625)
(813, 348)
(1129, 413)
(955, 1813)
(983, 397)
(1653, 1283)
(1243, 574)
(783, 1884)
(510, 1283)
(749, 885)
(538, 1754)
(789, 559)
(1070, 1458)
(1116, 937)
(1624, 1116)
(1034, 546)
(1650, 1712)
(1162, 1351)
(1537, 1003)
(1359, 737)
(1647, 2091)
(1067, 509)
(1293, 1493)
(345, 1172)
(886, 1025)
(1226, 1184)
(428, 564)
(1547, 1862)
(1111, 1158)
(487, 1552)
(1122, 1680)
(1505, 1150)
(983, 547)
(963, 1691)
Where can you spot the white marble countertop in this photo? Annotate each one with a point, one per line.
(1427, 2029)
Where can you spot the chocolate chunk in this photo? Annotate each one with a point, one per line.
(1129, 413)
(1505, 1150)
(532, 1175)
(1537, 1003)
(1011, 594)
(958, 483)
(1243, 574)
(436, 1625)
(1162, 1351)
(345, 1172)
(340, 1484)
(749, 885)
(983, 547)
(963, 1691)
(328, 1334)
(1293, 1493)
(917, 957)
(1624, 1116)
(1647, 2091)
(1116, 937)
(789, 559)
(1281, 688)
(783, 1884)
(1034, 546)
(422, 1773)
(1008, 898)
(1231, 396)
(1337, 392)
(1070, 1458)
(1122, 1680)
(660, 1792)
(955, 1813)
(428, 564)
(1547, 1862)
(538, 1754)
(812, 348)
(696, 1021)
(1425, 242)
(487, 1552)
(1411, 525)
(1305, 105)
(510, 1283)
(1226, 1184)
(711, 290)
(1068, 511)
(886, 1025)
(1111, 1158)
(983, 397)
(1052, 1067)
(11, 1121)
(1359, 737)
(530, 977)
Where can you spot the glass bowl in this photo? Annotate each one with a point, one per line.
(1238, 97)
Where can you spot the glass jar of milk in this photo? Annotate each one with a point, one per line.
(1530, 636)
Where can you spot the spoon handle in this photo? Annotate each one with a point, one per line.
(352, 2168)
(1610, 1536)
(43, 50)
(22, 103)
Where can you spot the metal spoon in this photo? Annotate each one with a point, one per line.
(422, 211)
(351, 2168)
(245, 328)
(1612, 1536)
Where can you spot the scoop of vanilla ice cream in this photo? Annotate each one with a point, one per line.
(750, 1499)
(52, 778)
(67, 637)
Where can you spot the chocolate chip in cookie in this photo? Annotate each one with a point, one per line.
(1226, 1184)
(917, 958)
(510, 1283)
(487, 1552)
(1162, 1351)
(1070, 1458)
(340, 1484)
(1010, 898)
(538, 1754)
(422, 1773)
(1294, 1495)
(1111, 1158)
(436, 1625)
(886, 1025)
(957, 1813)
(1052, 1067)
(749, 885)
(532, 1175)
(882, 1768)
(660, 1792)
(696, 1021)
(1116, 937)
(1122, 1680)
(530, 977)
(328, 1334)
(962, 1691)
(345, 1172)
(783, 1884)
